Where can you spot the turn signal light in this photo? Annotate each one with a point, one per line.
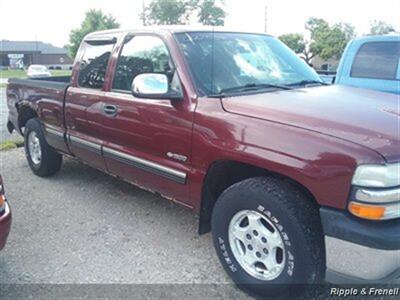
(2, 201)
(371, 212)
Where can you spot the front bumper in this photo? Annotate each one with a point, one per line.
(360, 251)
(5, 224)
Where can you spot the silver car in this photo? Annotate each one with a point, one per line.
(36, 71)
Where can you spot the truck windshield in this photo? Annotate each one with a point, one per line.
(222, 62)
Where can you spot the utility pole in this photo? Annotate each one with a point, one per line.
(266, 19)
(143, 14)
(37, 50)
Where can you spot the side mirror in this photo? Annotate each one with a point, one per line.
(153, 86)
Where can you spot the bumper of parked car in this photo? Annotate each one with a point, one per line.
(360, 251)
(5, 224)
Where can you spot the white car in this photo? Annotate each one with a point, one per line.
(36, 71)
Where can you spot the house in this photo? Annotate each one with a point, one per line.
(21, 54)
(320, 64)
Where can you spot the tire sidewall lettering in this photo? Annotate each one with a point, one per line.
(288, 244)
(231, 261)
(226, 256)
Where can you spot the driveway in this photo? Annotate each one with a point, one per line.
(82, 226)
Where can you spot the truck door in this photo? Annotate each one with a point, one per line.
(84, 101)
(147, 141)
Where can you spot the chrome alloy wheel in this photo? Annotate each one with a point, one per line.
(34, 149)
(257, 245)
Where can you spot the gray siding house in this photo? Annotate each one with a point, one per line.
(21, 54)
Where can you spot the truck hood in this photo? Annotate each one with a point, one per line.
(365, 117)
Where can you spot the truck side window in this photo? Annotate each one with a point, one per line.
(377, 60)
(140, 54)
(93, 65)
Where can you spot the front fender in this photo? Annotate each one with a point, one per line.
(323, 164)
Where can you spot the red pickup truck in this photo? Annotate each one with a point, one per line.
(298, 181)
(5, 216)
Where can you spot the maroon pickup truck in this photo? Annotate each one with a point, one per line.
(298, 181)
(5, 216)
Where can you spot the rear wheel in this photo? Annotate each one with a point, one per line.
(42, 158)
(34, 148)
(268, 237)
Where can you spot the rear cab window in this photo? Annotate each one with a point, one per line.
(377, 60)
(93, 63)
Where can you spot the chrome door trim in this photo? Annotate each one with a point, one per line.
(146, 165)
(55, 132)
(81, 143)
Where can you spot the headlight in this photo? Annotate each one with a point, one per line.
(377, 175)
(376, 192)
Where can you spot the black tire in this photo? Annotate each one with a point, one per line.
(50, 161)
(298, 221)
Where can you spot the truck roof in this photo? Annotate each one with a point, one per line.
(395, 36)
(170, 28)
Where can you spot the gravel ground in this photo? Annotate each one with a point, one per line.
(82, 226)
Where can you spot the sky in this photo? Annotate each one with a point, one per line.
(51, 20)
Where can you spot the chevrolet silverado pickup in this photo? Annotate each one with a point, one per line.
(5, 216)
(298, 181)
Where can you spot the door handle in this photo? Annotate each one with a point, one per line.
(110, 110)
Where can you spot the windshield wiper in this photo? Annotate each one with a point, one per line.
(252, 87)
(307, 82)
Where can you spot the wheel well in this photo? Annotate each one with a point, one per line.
(25, 113)
(223, 174)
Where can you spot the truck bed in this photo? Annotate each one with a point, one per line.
(53, 82)
(24, 95)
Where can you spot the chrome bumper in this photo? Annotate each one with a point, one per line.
(348, 262)
(360, 251)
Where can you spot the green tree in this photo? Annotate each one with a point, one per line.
(294, 41)
(94, 20)
(167, 12)
(211, 14)
(320, 32)
(178, 12)
(336, 40)
(380, 28)
(325, 41)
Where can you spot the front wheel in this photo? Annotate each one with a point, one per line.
(42, 158)
(268, 237)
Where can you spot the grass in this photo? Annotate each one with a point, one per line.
(61, 72)
(8, 145)
(12, 73)
(3, 85)
(22, 73)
